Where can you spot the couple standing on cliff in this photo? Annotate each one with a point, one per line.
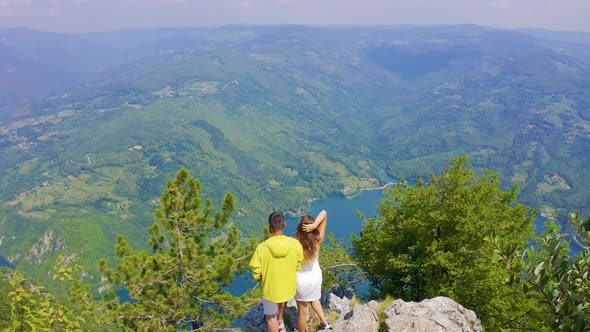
(289, 267)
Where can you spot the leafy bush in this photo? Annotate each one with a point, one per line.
(547, 273)
(428, 241)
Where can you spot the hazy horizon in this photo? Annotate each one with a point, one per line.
(79, 16)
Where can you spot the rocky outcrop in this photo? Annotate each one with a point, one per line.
(253, 320)
(336, 304)
(439, 314)
(360, 318)
(48, 242)
(339, 291)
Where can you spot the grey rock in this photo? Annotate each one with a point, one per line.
(359, 318)
(338, 305)
(439, 314)
(339, 291)
(254, 321)
(374, 305)
(432, 315)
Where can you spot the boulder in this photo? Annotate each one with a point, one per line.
(360, 318)
(431, 315)
(339, 291)
(439, 314)
(338, 305)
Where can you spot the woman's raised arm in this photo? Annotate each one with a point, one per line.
(320, 223)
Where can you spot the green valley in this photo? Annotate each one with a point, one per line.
(279, 116)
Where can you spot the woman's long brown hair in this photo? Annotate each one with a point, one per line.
(309, 241)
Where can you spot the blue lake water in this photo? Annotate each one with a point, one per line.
(4, 262)
(342, 222)
(342, 219)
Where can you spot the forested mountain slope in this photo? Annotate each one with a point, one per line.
(276, 115)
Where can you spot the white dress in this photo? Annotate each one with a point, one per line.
(309, 281)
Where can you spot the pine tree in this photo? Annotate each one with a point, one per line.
(182, 283)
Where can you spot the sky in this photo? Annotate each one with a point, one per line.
(102, 15)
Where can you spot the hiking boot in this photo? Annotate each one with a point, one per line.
(326, 326)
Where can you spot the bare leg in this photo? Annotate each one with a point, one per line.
(317, 307)
(272, 323)
(282, 307)
(301, 315)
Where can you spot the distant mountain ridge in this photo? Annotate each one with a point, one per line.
(92, 125)
(35, 64)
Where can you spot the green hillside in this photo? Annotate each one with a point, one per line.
(278, 116)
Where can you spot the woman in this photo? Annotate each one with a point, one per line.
(310, 233)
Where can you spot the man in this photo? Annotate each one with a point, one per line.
(274, 264)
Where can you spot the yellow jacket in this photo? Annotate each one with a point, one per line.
(274, 264)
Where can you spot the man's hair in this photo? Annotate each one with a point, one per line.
(276, 221)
